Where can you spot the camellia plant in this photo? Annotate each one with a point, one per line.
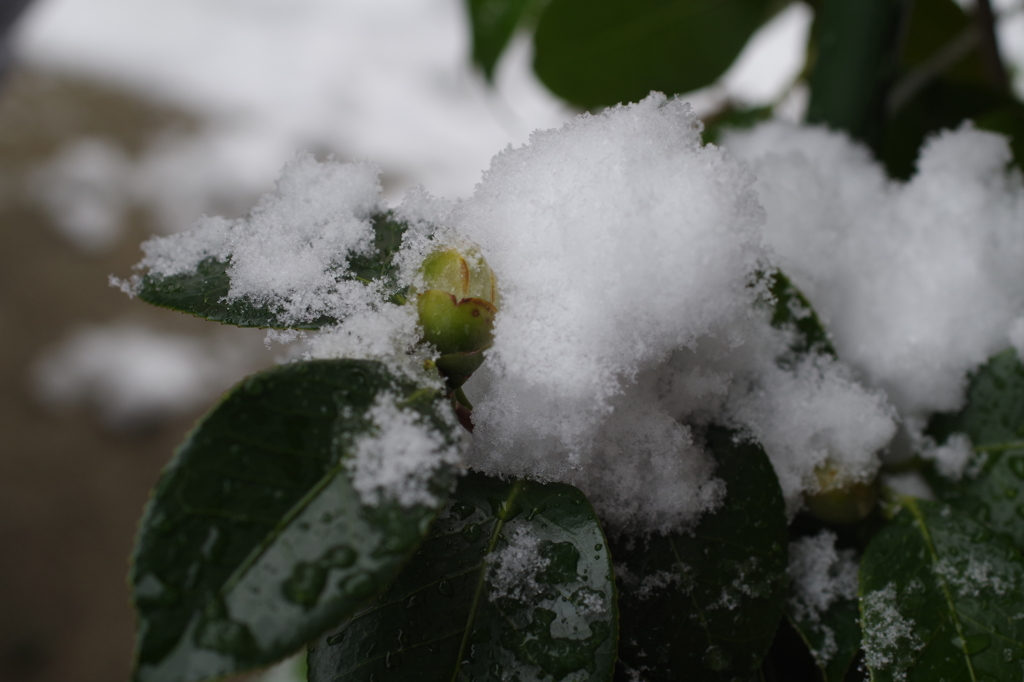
(643, 407)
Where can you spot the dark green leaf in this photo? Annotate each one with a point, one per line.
(857, 60)
(1008, 120)
(941, 599)
(255, 540)
(705, 605)
(732, 117)
(599, 52)
(833, 640)
(943, 104)
(202, 293)
(992, 487)
(994, 411)
(941, 39)
(791, 310)
(493, 22)
(456, 614)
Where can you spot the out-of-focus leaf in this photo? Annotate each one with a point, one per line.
(599, 52)
(255, 540)
(493, 22)
(203, 293)
(515, 583)
(944, 104)
(941, 599)
(856, 61)
(705, 605)
(732, 117)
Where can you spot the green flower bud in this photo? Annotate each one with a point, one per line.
(838, 499)
(457, 309)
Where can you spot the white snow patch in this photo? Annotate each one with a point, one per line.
(515, 567)
(395, 460)
(889, 639)
(132, 374)
(821, 575)
(918, 282)
(970, 577)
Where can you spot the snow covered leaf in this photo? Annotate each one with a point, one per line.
(493, 22)
(204, 292)
(595, 52)
(822, 602)
(296, 499)
(991, 488)
(793, 311)
(705, 605)
(515, 583)
(940, 599)
(843, 633)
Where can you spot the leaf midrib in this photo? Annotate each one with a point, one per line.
(911, 505)
(475, 604)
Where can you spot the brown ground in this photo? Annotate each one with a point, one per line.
(70, 491)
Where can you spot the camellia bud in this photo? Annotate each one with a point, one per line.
(840, 500)
(457, 309)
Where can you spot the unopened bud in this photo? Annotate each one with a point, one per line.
(456, 310)
(840, 499)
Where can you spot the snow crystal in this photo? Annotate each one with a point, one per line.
(287, 252)
(821, 575)
(889, 639)
(395, 460)
(918, 282)
(970, 576)
(515, 567)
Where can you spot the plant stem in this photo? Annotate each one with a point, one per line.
(985, 19)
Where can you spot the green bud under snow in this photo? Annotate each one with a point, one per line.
(456, 310)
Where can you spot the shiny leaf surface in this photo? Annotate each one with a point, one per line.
(941, 599)
(255, 541)
(514, 583)
(705, 605)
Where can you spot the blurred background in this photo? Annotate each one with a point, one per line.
(120, 119)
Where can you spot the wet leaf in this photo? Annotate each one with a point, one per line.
(833, 640)
(514, 583)
(255, 541)
(941, 599)
(203, 293)
(992, 488)
(600, 52)
(705, 605)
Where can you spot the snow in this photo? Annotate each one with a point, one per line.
(917, 282)
(516, 567)
(821, 575)
(628, 260)
(889, 640)
(394, 460)
(132, 374)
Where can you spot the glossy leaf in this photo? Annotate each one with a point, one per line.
(941, 599)
(833, 640)
(255, 541)
(992, 488)
(202, 293)
(705, 605)
(599, 52)
(515, 583)
(493, 22)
